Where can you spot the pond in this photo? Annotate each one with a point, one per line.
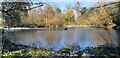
(58, 38)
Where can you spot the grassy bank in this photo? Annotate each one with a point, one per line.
(11, 50)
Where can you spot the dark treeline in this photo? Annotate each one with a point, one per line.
(21, 14)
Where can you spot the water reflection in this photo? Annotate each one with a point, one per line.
(0, 42)
(57, 39)
(118, 36)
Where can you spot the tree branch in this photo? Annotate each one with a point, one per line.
(14, 8)
(106, 5)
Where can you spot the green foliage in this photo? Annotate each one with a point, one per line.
(84, 22)
(116, 19)
(1, 24)
(58, 10)
(102, 50)
(47, 17)
(8, 55)
(37, 52)
(83, 11)
(33, 19)
(11, 12)
(69, 16)
(17, 15)
(66, 49)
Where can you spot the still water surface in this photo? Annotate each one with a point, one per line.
(58, 38)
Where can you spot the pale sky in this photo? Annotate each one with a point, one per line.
(54, 0)
(75, 0)
(62, 5)
(83, 3)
